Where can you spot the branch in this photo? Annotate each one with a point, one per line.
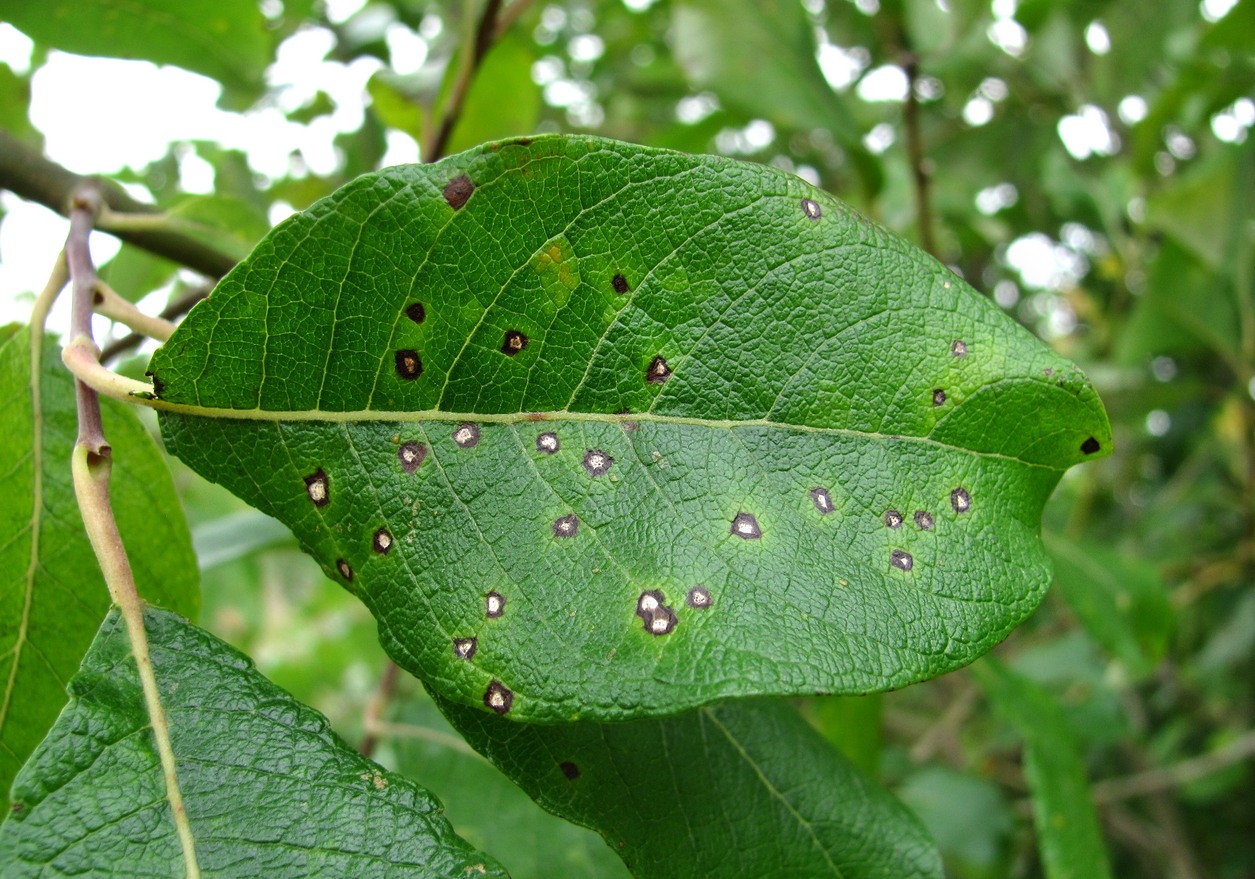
(1178, 774)
(174, 309)
(484, 35)
(26, 173)
(919, 162)
(91, 465)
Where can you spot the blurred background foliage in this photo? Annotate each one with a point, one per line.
(1086, 163)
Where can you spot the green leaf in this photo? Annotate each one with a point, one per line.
(223, 39)
(685, 429)
(745, 788)
(1068, 835)
(52, 595)
(265, 782)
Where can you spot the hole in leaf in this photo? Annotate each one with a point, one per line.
(566, 526)
(458, 190)
(467, 435)
(547, 443)
(958, 348)
(745, 526)
(569, 769)
(409, 365)
(812, 209)
(596, 462)
(1090, 446)
(939, 397)
(464, 648)
(514, 343)
(657, 618)
(494, 604)
(411, 455)
(416, 312)
(658, 371)
(822, 500)
(893, 519)
(960, 500)
(345, 570)
(924, 520)
(498, 698)
(318, 488)
(901, 559)
(619, 283)
(382, 541)
(698, 598)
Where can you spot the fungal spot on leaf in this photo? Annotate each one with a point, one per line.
(494, 604)
(698, 598)
(569, 769)
(411, 455)
(597, 462)
(458, 190)
(318, 489)
(382, 541)
(619, 283)
(958, 348)
(466, 436)
(464, 648)
(822, 500)
(657, 618)
(345, 571)
(514, 343)
(658, 371)
(1090, 446)
(158, 385)
(409, 365)
(547, 443)
(901, 559)
(498, 698)
(811, 208)
(745, 526)
(923, 520)
(893, 519)
(960, 500)
(939, 397)
(416, 312)
(566, 526)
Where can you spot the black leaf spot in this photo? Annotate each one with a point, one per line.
(464, 648)
(658, 371)
(158, 385)
(596, 462)
(411, 455)
(822, 500)
(466, 436)
(569, 769)
(893, 519)
(514, 343)
(619, 283)
(494, 604)
(1090, 446)
(924, 520)
(958, 348)
(547, 443)
(960, 500)
(698, 598)
(498, 698)
(382, 541)
(566, 526)
(657, 618)
(318, 488)
(745, 526)
(939, 397)
(901, 559)
(416, 312)
(458, 190)
(409, 365)
(345, 570)
(811, 209)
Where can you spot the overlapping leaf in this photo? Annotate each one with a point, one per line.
(269, 790)
(602, 431)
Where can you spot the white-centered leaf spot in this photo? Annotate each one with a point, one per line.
(464, 648)
(939, 397)
(958, 348)
(901, 559)
(411, 455)
(498, 698)
(345, 570)
(547, 443)
(318, 488)
(698, 598)
(494, 604)
(658, 371)
(822, 500)
(596, 462)
(382, 541)
(566, 526)
(960, 500)
(812, 209)
(467, 435)
(924, 520)
(657, 618)
(893, 519)
(745, 526)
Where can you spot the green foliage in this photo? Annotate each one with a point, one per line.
(265, 781)
(53, 596)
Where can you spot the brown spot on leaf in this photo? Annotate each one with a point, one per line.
(498, 698)
(658, 371)
(924, 520)
(514, 343)
(409, 364)
(411, 455)
(1090, 446)
(458, 190)
(619, 283)
(569, 769)
(416, 312)
(318, 488)
(939, 397)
